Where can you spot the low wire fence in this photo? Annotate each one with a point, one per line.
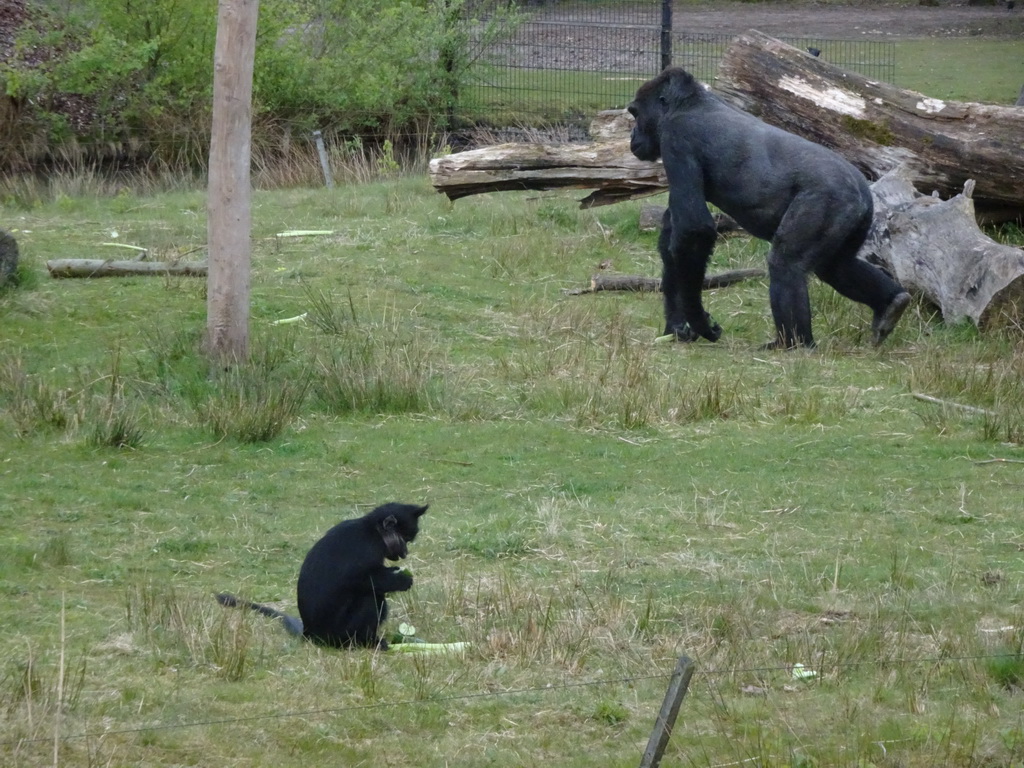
(564, 62)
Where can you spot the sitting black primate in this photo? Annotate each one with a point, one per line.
(343, 580)
(812, 205)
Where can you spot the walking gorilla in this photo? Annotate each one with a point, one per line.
(813, 206)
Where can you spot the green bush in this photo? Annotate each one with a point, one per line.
(117, 74)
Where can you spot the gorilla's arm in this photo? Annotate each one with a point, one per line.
(686, 242)
(386, 579)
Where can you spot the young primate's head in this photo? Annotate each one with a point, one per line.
(397, 525)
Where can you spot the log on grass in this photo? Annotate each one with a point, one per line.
(936, 250)
(879, 127)
(108, 268)
(641, 284)
(607, 167)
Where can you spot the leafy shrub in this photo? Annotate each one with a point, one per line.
(137, 79)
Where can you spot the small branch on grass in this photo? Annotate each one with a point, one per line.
(653, 284)
(950, 404)
(107, 268)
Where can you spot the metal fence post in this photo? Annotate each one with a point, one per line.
(666, 33)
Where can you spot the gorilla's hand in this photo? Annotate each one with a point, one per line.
(403, 579)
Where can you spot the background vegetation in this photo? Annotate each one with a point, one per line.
(117, 86)
(131, 76)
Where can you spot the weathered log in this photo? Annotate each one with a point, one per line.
(607, 167)
(935, 249)
(108, 268)
(878, 126)
(641, 284)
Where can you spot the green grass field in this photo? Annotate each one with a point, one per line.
(600, 505)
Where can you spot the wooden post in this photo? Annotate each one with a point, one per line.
(325, 162)
(667, 716)
(229, 191)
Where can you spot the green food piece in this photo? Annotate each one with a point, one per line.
(800, 672)
(666, 338)
(421, 647)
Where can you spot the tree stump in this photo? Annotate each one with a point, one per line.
(935, 249)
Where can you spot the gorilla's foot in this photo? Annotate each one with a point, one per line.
(886, 320)
(684, 331)
(681, 332)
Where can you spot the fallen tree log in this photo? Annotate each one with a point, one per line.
(608, 167)
(107, 268)
(641, 284)
(879, 127)
(936, 250)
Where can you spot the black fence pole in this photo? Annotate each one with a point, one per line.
(666, 33)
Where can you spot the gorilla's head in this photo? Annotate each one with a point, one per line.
(673, 89)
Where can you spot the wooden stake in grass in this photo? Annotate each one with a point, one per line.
(667, 716)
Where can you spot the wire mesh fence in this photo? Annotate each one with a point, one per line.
(565, 61)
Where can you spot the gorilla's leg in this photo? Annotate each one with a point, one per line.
(360, 622)
(684, 260)
(856, 279)
(790, 302)
(860, 281)
(671, 288)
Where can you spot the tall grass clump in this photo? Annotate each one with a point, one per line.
(33, 403)
(989, 390)
(33, 691)
(117, 423)
(255, 400)
(174, 626)
(249, 405)
(369, 367)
